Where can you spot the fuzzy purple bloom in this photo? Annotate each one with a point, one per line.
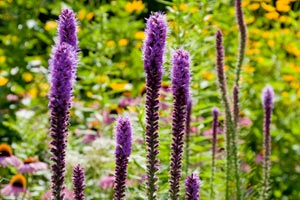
(215, 126)
(78, 182)
(123, 150)
(153, 52)
(67, 30)
(267, 100)
(187, 132)
(192, 185)
(180, 90)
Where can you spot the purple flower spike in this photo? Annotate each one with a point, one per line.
(192, 185)
(67, 30)
(123, 150)
(180, 89)
(78, 182)
(62, 68)
(267, 100)
(153, 52)
(215, 126)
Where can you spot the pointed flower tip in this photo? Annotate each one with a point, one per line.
(123, 137)
(67, 30)
(215, 111)
(268, 96)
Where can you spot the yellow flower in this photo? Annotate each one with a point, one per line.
(249, 69)
(289, 78)
(294, 84)
(138, 45)
(267, 7)
(123, 42)
(254, 6)
(81, 14)
(33, 92)
(272, 15)
(208, 75)
(89, 16)
(3, 81)
(136, 5)
(102, 79)
(110, 43)
(182, 7)
(18, 180)
(120, 86)
(283, 6)
(140, 35)
(271, 43)
(89, 94)
(50, 25)
(27, 77)
(2, 59)
(284, 94)
(283, 19)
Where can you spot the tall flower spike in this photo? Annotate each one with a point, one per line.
(192, 185)
(67, 30)
(123, 150)
(187, 133)
(62, 68)
(180, 90)
(78, 182)
(242, 38)
(231, 146)
(215, 113)
(267, 100)
(153, 51)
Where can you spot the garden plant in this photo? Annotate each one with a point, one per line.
(179, 108)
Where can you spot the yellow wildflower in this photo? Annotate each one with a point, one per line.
(102, 79)
(193, 9)
(33, 92)
(50, 25)
(138, 45)
(248, 69)
(140, 35)
(89, 16)
(272, 15)
(182, 7)
(267, 7)
(120, 86)
(110, 43)
(89, 94)
(2, 59)
(3, 81)
(27, 77)
(289, 78)
(295, 84)
(81, 14)
(284, 94)
(283, 19)
(271, 43)
(208, 75)
(245, 3)
(136, 5)
(283, 6)
(254, 6)
(123, 42)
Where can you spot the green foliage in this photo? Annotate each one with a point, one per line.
(111, 69)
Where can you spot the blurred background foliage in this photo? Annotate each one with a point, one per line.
(111, 81)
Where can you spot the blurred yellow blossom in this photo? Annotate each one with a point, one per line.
(271, 43)
(3, 81)
(102, 79)
(27, 77)
(138, 45)
(254, 6)
(283, 19)
(272, 15)
(111, 43)
(123, 42)
(283, 6)
(89, 94)
(182, 7)
(2, 59)
(193, 9)
(267, 7)
(89, 16)
(140, 35)
(50, 25)
(81, 14)
(289, 78)
(248, 69)
(33, 92)
(120, 86)
(208, 75)
(295, 84)
(136, 5)
(284, 94)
